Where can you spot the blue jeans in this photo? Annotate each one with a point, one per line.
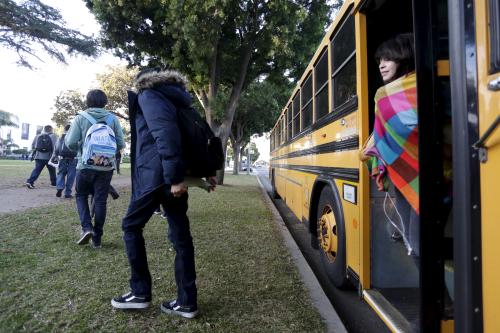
(39, 165)
(66, 173)
(138, 214)
(96, 182)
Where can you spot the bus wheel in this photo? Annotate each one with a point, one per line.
(331, 238)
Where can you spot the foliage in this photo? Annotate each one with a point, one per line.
(115, 82)
(259, 107)
(8, 119)
(67, 104)
(28, 23)
(222, 46)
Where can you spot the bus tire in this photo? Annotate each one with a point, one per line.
(331, 238)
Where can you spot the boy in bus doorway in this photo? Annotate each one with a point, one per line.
(392, 153)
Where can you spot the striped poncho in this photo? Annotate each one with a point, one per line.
(395, 134)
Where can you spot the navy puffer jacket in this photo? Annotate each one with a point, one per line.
(156, 152)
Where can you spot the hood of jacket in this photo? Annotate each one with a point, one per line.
(170, 83)
(98, 114)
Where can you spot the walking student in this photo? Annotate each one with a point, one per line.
(66, 170)
(43, 145)
(158, 178)
(95, 135)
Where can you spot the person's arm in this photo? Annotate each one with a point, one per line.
(56, 148)
(120, 141)
(74, 135)
(161, 118)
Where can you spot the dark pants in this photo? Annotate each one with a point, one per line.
(39, 165)
(66, 173)
(138, 214)
(96, 182)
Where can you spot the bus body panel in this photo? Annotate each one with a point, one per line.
(489, 110)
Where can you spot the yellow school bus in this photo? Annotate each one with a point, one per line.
(453, 286)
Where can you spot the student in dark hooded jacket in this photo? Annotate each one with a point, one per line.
(158, 178)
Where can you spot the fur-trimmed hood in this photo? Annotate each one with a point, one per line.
(154, 79)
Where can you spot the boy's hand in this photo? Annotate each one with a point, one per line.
(178, 189)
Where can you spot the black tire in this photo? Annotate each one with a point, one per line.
(333, 256)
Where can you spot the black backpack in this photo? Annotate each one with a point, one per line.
(44, 143)
(201, 149)
(64, 151)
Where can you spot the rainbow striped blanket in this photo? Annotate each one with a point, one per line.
(395, 150)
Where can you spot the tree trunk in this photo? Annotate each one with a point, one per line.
(236, 153)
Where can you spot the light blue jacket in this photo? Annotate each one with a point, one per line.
(79, 127)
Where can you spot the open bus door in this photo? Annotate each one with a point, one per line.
(412, 295)
(475, 77)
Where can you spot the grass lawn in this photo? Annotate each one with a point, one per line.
(246, 280)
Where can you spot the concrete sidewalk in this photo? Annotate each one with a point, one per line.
(318, 297)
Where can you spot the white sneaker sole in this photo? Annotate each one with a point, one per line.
(188, 315)
(125, 306)
(85, 238)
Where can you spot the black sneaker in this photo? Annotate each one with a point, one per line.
(30, 186)
(85, 237)
(58, 193)
(163, 216)
(171, 307)
(129, 301)
(68, 196)
(158, 211)
(96, 243)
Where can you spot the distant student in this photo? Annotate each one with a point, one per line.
(66, 170)
(90, 178)
(43, 145)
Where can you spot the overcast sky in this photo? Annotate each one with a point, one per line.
(29, 93)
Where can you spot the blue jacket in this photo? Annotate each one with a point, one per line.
(156, 152)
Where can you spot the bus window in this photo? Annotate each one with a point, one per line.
(494, 13)
(306, 97)
(321, 85)
(289, 121)
(344, 64)
(296, 114)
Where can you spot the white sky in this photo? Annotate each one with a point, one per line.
(30, 94)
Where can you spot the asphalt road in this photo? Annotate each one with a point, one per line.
(356, 315)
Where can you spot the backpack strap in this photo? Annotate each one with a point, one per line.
(88, 117)
(109, 119)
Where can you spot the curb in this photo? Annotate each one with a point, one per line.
(317, 295)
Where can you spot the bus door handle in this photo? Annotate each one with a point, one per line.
(479, 145)
(494, 85)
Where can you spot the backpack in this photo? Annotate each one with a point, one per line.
(64, 151)
(99, 145)
(201, 150)
(44, 143)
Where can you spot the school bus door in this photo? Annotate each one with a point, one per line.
(488, 68)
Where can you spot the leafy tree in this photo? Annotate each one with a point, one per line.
(257, 111)
(222, 46)
(28, 23)
(67, 104)
(115, 82)
(8, 119)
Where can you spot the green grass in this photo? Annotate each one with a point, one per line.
(13, 173)
(246, 280)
